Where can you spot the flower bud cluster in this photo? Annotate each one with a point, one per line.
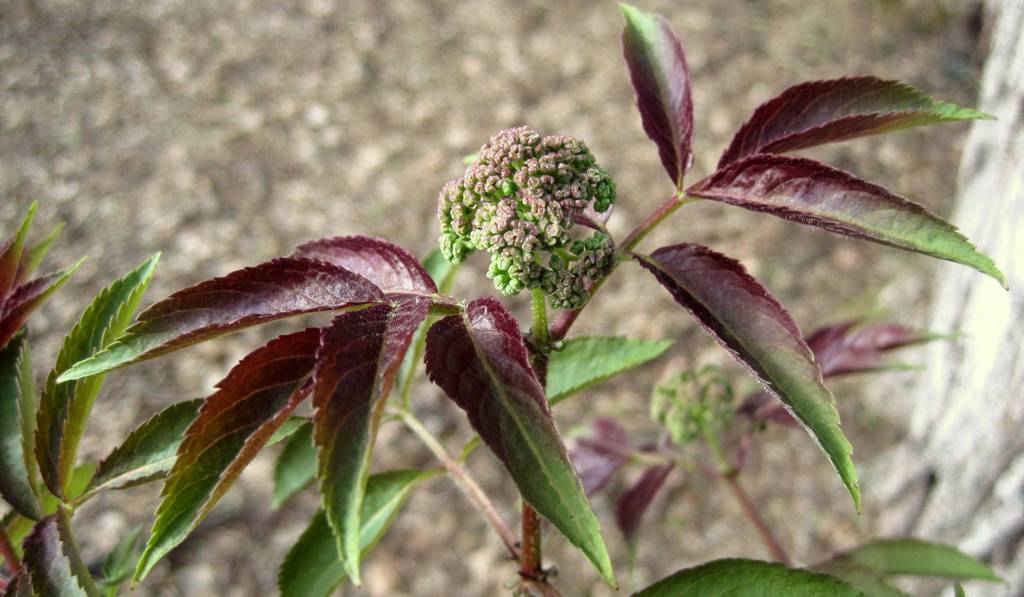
(690, 404)
(516, 201)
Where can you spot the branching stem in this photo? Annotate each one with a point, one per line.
(750, 511)
(463, 481)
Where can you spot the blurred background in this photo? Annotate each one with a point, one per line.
(224, 134)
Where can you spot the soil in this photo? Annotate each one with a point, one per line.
(224, 134)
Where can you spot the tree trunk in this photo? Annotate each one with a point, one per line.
(959, 476)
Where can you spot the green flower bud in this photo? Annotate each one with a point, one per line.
(691, 403)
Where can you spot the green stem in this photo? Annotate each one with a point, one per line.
(463, 481)
(10, 555)
(539, 310)
(531, 565)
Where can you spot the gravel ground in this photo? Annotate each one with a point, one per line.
(223, 134)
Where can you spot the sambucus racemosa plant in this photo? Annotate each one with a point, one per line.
(524, 200)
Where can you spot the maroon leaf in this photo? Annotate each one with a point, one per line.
(661, 80)
(358, 359)
(762, 406)
(273, 290)
(234, 423)
(28, 297)
(629, 512)
(599, 456)
(754, 327)
(385, 264)
(811, 193)
(820, 112)
(478, 358)
(11, 254)
(52, 560)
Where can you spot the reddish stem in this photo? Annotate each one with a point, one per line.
(750, 510)
(530, 564)
(9, 553)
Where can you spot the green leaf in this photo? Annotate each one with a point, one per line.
(296, 466)
(35, 254)
(959, 590)
(28, 297)
(888, 557)
(121, 560)
(235, 422)
(53, 562)
(17, 416)
(588, 361)
(149, 451)
(313, 567)
(749, 578)
(64, 409)
(10, 253)
(479, 360)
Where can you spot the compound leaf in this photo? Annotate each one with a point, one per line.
(386, 264)
(661, 80)
(755, 328)
(234, 423)
(478, 358)
(313, 567)
(818, 112)
(584, 362)
(811, 193)
(359, 356)
(280, 288)
(750, 578)
(64, 408)
(17, 420)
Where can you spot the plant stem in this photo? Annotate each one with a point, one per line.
(464, 481)
(531, 565)
(560, 328)
(750, 510)
(9, 553)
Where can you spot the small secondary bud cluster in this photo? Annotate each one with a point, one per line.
(516, 201)
(690, 404)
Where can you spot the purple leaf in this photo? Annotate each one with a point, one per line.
(818, 112)
(11, 254)
(359, 356)
(811, 193)
(234, 423)
(478, 358)
(273, 290)
(754, 327)
(599, 456)
(661, 80)
(52, 560)
(28, 297)
(629, 512)
(385, 264)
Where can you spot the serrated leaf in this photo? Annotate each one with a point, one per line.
(584, 362)
(479, 360)
(359, 356)
(120, 561)
(313, 567)
(631, 507)
(811, 193)
(64, 408)
(52, 560)
(17, 415)
(749, 578)
(755, 328)
(598, 456)
(295, 467)
(234, 423)
(661, 80)
(889, 557)
(11, 253)
(19, 586)
(27, 298)
(149, 451)
(818, 112)
(34, 255)
(387, 265)
(280, 288)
